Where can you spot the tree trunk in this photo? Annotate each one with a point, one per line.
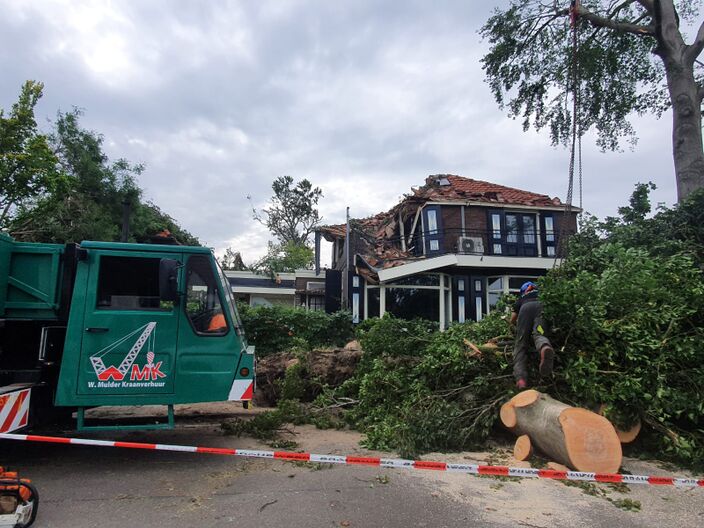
(626, 436)
(687, 150)
(575, 437)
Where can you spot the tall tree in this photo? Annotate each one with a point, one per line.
(293, 214)
(631, 58)
(232, 261)
(28, 167)
(89, 204)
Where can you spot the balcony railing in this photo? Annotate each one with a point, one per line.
(503, 243)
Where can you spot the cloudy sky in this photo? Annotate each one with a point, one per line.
(364, 98)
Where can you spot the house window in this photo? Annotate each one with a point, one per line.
(549, 236)
(511, 229)
(355, 307)
(432, 221)
(412, 303)
(434, 245)
(316, 302)
(460, 285)
(373, 301)
(417, 296)
(549, 229)
(495, 289)
(513, 234)
(129, 283)
(529, 230)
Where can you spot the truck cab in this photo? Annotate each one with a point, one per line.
(120, 324)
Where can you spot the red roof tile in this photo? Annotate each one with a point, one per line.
(482, 191)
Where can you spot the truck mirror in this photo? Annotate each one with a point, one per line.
(168, 279)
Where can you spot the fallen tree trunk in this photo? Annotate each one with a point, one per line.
(626, 436)
(575, 437)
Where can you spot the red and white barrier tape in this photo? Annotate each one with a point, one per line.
(471, 469)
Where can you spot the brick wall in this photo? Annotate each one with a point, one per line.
(452, 225)
(476, 224)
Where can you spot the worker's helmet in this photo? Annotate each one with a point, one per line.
(527, 286)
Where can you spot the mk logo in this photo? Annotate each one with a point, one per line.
(147, 372)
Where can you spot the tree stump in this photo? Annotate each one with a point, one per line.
(575, 437)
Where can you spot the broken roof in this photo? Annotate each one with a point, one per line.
(379, 233)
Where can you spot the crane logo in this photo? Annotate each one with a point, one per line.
(128, 371)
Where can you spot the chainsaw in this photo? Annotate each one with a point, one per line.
(19, 500)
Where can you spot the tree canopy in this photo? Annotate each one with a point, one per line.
(293, 214)
(286, 257)
(28, 167)
(631, 58)
(61, 187)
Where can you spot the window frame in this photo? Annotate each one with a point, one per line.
(219, 296)
(98, 289)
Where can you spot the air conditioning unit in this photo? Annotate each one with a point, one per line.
(471, 245)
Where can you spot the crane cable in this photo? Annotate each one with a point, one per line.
(576, 132)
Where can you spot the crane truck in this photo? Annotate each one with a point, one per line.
(106, 323)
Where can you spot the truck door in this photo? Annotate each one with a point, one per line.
(209, 346)
(129, 334)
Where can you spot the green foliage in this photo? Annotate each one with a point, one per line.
(268, 425)
(28, 167)
(529, 70)
(418, 389)
(286, 257)
(276, 328)
(292, 215)
(293, 386)
(627, 311)
(88, 202)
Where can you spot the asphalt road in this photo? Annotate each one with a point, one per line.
(82, 487)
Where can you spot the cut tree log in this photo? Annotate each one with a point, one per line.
(557, 467)
(575, 437)
(626, 436)
(523, 448)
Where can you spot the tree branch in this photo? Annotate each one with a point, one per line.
(623, 27)
(647, 5)
(694, 50)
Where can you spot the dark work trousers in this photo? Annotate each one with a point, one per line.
(529, 328)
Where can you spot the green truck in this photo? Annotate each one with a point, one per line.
(102, 323)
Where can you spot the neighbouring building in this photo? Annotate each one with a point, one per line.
(446, 252)
(302, 288)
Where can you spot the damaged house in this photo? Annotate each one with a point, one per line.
(446, 252)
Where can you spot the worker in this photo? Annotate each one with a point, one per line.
(528, 314)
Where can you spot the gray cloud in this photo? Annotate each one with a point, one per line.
(363, 98)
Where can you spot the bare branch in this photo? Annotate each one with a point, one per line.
(624, 27)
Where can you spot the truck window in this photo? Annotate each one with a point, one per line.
(203, 305)
(129, 283)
